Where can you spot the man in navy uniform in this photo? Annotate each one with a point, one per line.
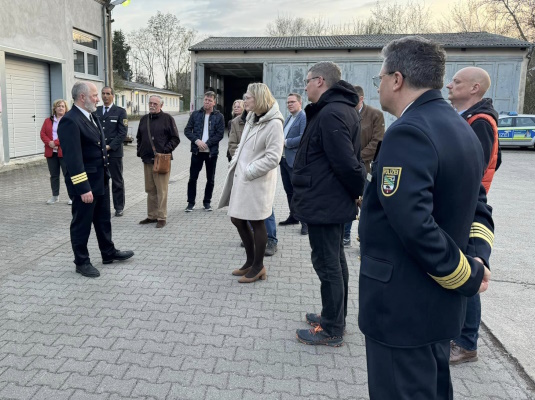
(114, 124)
(426, 230)
(84, 152)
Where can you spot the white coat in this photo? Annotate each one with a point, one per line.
(251, 181)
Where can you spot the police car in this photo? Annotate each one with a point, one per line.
(516, 130)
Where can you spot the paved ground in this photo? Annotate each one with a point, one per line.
(172, 323)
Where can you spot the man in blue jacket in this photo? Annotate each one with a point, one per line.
(425, 229)
(205, 130)
(294, 126)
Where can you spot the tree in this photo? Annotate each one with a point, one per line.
(121, 67)
(143, 44)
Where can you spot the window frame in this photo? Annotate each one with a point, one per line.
(86, 50)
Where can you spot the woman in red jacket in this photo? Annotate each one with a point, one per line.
(53, 153)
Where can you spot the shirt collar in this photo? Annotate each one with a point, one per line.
(410, 104)
(87, 115)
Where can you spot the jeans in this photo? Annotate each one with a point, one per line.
(271, 228)
(54, 164)
(197, 161)
(472, 320)
(347, 229)
(329, 261)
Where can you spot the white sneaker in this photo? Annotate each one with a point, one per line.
(69, 202)
(52, 200)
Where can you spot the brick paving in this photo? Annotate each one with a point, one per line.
(172, 323)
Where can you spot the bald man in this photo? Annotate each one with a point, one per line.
(466, 91)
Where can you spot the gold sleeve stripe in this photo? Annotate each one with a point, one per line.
(458, 277)
(79, 178)
(481, 231)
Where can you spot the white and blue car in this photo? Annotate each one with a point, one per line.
(516, 130)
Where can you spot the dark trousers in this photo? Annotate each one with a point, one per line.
(286, 175)
(85, 214)
(197, 160)
(421, 373)
(56, 163)
(329, 261)
(117, 182)
(472, 320)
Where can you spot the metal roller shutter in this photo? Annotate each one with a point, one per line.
(28, 104)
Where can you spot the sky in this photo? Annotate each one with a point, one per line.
(247, 18)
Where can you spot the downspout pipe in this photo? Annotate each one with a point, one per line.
(105, 41)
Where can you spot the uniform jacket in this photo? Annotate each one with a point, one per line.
(236, 130)
(251, 181)
(293, 138)
(216, 130)
(84, 153)
(487, 136)
(423, 218)
(114, 124)
(164, 135)
(328, 173)
(47, 136)
(371, 133)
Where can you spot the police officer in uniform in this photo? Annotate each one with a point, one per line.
(114, 124)
(84, 152)
(426, 230)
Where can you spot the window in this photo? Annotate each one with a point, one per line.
(525, 122)
(142, 98)
(86, 53)
(123, 100)
(505, 122)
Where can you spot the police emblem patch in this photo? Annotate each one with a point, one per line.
(390, 180)
(125, 122)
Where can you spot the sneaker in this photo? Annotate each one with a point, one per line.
(52, 200)
(207, 207)
(69, 202)
(459, 355)
(190, 207)
(313, 319)
(317, 336)
(347, 242)
(271, 248)
(119, 213)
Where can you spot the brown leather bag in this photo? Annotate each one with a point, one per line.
(162, 161)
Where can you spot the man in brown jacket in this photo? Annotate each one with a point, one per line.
(372, 130)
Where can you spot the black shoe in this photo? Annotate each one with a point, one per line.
(317, 336)
(88, 270)
(119, 256)
(119, 213)
(347, 242)
(271, 248)
(289, 221)
(304, 229)
(313, 319)
(207, 207)
(190, 207)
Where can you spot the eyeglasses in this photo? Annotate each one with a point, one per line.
(377, 79)
(309, 79)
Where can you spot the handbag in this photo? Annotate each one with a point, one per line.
(162, 161)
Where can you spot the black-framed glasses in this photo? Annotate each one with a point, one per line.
(377, 79)
(309, 79)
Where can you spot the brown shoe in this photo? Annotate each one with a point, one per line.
(261, 275)
(458, 355)
(161, 223)
(241, 272)
(148, 221)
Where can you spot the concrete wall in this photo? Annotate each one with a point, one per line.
(284, 71)
(42, 30)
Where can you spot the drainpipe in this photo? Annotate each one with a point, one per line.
(105, 41)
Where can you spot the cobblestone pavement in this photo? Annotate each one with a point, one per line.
(172, 323)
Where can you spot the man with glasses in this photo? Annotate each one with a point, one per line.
(328, 178)
(426, 230)
(294, 126)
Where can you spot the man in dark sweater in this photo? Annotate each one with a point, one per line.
(162, 128)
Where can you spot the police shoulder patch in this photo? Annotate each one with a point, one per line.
(125, 122)
(390, 180)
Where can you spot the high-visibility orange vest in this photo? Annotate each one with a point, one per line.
(491, 168)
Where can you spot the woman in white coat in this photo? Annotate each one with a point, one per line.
(249, 189)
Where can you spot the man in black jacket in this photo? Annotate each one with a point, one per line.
(84, 153)
(328, 177)
(164, 133)
(205, 130)
(114, 122)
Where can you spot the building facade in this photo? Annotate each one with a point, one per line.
(134, 97)
(45, 47)
(229, 64)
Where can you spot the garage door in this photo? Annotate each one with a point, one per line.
(28, 104)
